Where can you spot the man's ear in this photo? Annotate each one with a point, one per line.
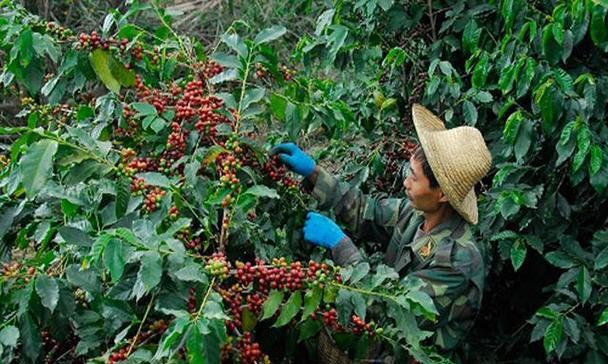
(442, 196)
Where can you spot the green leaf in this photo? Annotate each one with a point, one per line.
(566, 145)
(545, 99)
(553, 335)
(309, 328)
(572, 329)
(100, 61)
(122, 74)
(551, 48)
(194, 345)
(312, 299)
(425, 302)
(507, 78)
(394, 58)
(360, 271)
(289, 310)
(518, 254)
(598, 29)
(601, 260)
(270, 34)
(272, 303)
(9, 336)
(144, 109)
(560, 259)
(603, 320)
(151, 270)
(48, 291)
(230, 74)
(583, 284)
(262, 191)
(388, 103)
(191, 273)
(470, 36)
(595, 160)
(36, 166)
(30, 337)
(155, 179)
(481, 71)
(524, 77)
(248, 320)
(278, 104)
(226, 60)
(512, 126)
(383, 272)
(583, 143)
(252, 96)
(123, 195)
(546, 312)
(114, 259)
(524, 139)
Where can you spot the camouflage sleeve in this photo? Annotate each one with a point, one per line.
(450, 282)
(365, 217)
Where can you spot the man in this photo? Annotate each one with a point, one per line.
(428, 235)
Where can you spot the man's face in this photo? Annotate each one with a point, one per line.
(419, 191)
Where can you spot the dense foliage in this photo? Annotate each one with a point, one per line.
(142, 219)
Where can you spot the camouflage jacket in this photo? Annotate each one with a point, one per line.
(448, 260)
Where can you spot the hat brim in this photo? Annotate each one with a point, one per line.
(425, 123)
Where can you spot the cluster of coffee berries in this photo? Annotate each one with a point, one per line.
(277, 172)
(193, 244)
(318, 274)
(254, 303)
(209, 119)
(245, 273)
(153, 197)
(4, 161)
(137, 52)
(131, 125)
(118, 356)
(360, 326)
(218, 266)
(176, 143)
(81, 296)
(138, 186)
(249, 351)
(158, 327)
(185, 107)
(192, 307)
(92, 41)
(212, 69)
(227, 165)
(260, 71)
(173, 213)
(280, 275)
(330, 319)
(233, 298)
(51, 346)
(15, 269)
(287, 73)
(51, 28)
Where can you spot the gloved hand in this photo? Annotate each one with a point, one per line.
(295, 159)
(320, 230)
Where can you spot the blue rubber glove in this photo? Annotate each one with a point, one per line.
(295, 159)
(320, 230)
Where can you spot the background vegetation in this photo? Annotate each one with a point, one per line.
(339, 77)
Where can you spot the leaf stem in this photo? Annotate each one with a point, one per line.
(143, 321)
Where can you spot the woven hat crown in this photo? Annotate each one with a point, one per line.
(458, 157)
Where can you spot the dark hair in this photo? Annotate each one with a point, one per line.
(426, 168)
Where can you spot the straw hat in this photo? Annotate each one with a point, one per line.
(458, 157)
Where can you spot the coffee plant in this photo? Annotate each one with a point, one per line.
(142, 218)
